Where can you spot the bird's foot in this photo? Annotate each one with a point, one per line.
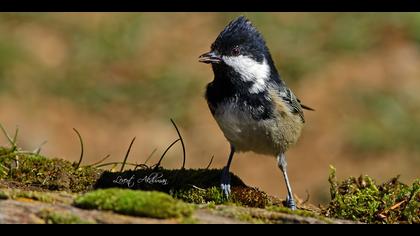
(225, 183)
(290, 203)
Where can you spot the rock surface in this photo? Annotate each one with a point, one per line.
(60, 210)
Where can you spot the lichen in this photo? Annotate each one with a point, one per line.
(239, 213)
(298, 212)
(134, 202)
(290, 211)
(270, 215)
(52, 217)
(361, 199)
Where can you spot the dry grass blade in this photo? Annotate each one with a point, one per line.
(211, 161)
(15, 136)
(150, 156)
(383, 213)
(127, 153)
(182, 143)
(308, 196)
(8, 136)
(81, 147)
(164, 153)
(102, 160)
(397, 205)
(116, 163)
(38, 149)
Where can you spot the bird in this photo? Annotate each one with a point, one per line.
(250, 102)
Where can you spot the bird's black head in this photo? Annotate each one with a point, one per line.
(240, 48)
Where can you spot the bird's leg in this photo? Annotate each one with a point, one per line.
(281, 159)
(225, 178)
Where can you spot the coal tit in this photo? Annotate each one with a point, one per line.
(250, 102)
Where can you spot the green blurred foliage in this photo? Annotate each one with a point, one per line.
(388, 121)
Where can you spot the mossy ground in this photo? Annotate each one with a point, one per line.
(3, 195)
(363, 200)
(358, 199)
(191, 185)
(28, 170)
(37, 196)
(51, 174)
(137, 203)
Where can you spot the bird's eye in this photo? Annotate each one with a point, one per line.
(236, 51)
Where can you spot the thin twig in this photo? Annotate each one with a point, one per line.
(211, 161)
(150, 156)
(164, 153)
(397, 205)
(102, 160)
(81, 147)
(192, 185)
(182, 143)
(126, 155)
(17, 161)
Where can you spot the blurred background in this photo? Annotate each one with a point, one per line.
(114, 76)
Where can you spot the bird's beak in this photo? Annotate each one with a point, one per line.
(210, 58)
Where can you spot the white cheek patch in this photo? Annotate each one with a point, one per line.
(250, 70)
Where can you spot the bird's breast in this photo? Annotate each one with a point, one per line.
(266, 136)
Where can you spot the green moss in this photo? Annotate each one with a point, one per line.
(3, 195)
(363, 200)
(201, 196)
(250, 197)
(242, 196)
(51, 217)
(137, 203)
(5, 151)
(51, 174)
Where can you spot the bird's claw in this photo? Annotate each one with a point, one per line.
(225, 190)
(225, 183)
(290, 203)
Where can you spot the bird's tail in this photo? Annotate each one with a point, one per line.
(307, 108)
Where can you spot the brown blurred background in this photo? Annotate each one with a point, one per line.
(114, 76)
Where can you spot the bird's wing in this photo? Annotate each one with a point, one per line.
(292, 101)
